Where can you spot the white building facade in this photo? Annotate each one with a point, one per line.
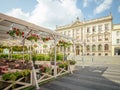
(116, 40)
(94, 37)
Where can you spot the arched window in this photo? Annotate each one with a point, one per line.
(99, 47)
(93, 48)
(106, 46)
(88, 48)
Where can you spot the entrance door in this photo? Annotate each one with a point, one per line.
(77, 52)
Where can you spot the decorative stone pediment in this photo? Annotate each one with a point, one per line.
(77, 23)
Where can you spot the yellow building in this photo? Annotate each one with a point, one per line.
(94, 37)
(116, 40)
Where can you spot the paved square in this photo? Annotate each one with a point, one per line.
(94, 77)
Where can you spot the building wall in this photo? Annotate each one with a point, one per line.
(116, 40)
(91, 36)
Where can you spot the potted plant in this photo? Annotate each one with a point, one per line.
(15, 33)
(72, 64)
(33, 37)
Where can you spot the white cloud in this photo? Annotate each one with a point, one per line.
(18, 13)
(103, 6)
(119, 9)
(98, 1)
(85, 3)
(49, 13)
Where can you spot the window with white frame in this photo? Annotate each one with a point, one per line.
(93, 28)
(106, 27)
(99, 37)
(88, 29)
(99, 28)
(77, 31)
(106, 36)
(68, 32)
(65, 33)
(93, 38)
(117, 33)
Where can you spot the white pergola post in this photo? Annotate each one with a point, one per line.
(55, 49)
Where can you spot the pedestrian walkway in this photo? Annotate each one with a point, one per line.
(95, 77)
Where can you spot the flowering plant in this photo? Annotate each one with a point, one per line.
(33, 37)
(64, 43)
(15, 32)
(45, 68)
(46, 39)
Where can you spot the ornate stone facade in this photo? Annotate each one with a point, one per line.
(94, 37)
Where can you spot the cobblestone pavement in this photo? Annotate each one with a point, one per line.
(95, 77)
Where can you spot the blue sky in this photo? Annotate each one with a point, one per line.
(49, 13)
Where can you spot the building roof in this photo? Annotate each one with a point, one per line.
(78, 23)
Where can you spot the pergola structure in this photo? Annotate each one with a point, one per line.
(8, 22)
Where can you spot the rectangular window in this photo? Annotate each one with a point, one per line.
(77, 31)
(118, 33)
(68, 32)
(64, 32)
(93, 29)
(100, 28)
(106, 26)
(99, 37)
(93, 38)
(88, 30)
(118, 41)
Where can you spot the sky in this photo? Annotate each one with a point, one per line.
(52, 13)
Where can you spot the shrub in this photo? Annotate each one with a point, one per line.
(59, 57)
(72, 62)
(5, 56)
(63, 65)
(15, 75)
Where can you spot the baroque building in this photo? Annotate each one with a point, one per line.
(93, 37)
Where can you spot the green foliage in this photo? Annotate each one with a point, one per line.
(16, 56)
(47, 69)
(72, 62)
(33, 37)
(5, 56)
(24, 73)
(15, 75)
(19, 48)
(64, 43)
(59, 57)
(1, 50)
(6, 76)
(42, 57)
(63, 65)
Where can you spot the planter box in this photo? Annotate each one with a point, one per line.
(72, 67)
